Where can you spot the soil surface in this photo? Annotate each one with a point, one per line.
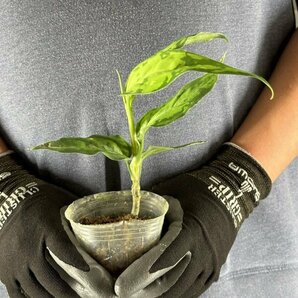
(110, 219)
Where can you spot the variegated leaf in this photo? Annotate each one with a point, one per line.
(152, 150)
(198, 37)
(177, 106)
(163, 68)
(114, 147)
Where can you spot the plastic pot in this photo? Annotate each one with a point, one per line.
(116, 245)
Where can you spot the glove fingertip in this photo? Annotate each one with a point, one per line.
(66, 251)
(75, 259)
(14, 292)
(157, 266)
(80, 263)
(168, 261)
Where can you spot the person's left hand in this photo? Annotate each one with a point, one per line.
(215, 200)
(97, 282)
(136, 281)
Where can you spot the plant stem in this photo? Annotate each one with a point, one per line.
(136, 195)
(136, 163)
(135, 166)
(128, 101)
(133, 136)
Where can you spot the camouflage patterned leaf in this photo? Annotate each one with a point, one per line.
(177, 106)
(114, 147)
(152, 150)
(161, 69)
(198, 37)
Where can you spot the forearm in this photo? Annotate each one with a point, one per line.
(270, 131)
(3, 147)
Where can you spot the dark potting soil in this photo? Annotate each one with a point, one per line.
(110, 219)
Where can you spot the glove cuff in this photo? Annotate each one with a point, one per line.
(11, 171)
(6, 153)
(261, 176)
(236, 179)
(16, 184)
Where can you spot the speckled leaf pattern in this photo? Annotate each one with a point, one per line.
(198, 37)
(114, 147)
(178, 105)
(161, 69)
(133, 83)
(152, 150)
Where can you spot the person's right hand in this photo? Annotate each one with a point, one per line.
(96, 283)
(29, 223)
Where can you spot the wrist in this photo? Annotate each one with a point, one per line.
(3, 147)
(274, 162)
(266, 177)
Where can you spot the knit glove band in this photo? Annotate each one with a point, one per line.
(236, 179)
(16, 185)
(6, 153)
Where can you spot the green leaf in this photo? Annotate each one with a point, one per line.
(141, 68)
(114, 147)
(198, 37)
(178, 105)
(163, 68)
(152, 150)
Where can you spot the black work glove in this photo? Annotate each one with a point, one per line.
(215, 199)
(29, 223)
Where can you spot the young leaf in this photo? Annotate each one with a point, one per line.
(177, 44)
(198, 37)
(152, 150)
(177, 106)
(164, 67)
(114, 147)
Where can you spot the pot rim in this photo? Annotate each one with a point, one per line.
(122, 222)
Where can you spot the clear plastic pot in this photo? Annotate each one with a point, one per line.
(116, 245)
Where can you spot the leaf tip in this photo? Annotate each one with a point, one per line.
(271, 90)
(272, 93)
(221, 35)
(42, 146)
(222, 59)
(225, 38)
(33, 148)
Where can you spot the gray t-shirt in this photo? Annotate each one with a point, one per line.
(58, 78)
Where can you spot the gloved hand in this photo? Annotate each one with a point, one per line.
(136, 281)
(99, 283)
(29, 223)
(215, 199)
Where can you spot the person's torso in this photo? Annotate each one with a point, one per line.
(58, 79)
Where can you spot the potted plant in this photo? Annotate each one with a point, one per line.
(117, 227)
